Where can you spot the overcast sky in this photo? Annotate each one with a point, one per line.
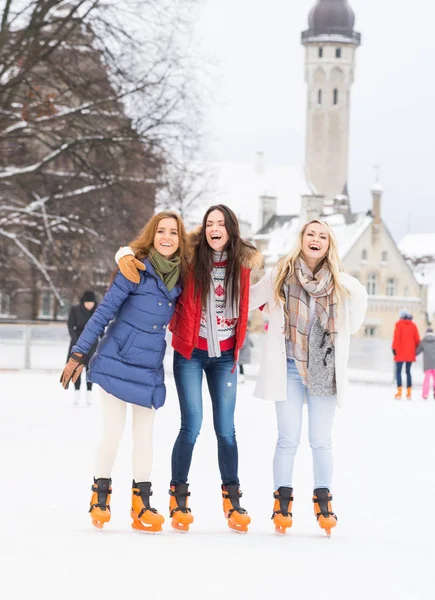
(259, 99)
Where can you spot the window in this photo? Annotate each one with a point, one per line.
(320, 52)
(406, 291)
(45, 308)
(319, 97)
(364, 254)
(338, 53)
(62, 311)
(384, 256)
(5, 304)
(371, 331)
(372, 284)
(391, 287)
(335, 97)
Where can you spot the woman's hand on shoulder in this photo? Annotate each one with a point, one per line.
(130, 267)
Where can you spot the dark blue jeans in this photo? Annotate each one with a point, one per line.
(399, 366)
(222, 385)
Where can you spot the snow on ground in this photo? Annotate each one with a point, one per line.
(383, 494)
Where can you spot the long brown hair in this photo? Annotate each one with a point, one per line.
(202, 259)
(144, 240)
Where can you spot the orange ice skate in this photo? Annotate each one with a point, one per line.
(238, 518)
(179, 511)
(145, 518)
(282, 516)
(100, 502)
(323, 510)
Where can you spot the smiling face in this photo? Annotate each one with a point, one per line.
(166, 239)
(215, 231)
(315, 244)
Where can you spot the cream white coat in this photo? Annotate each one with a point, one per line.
(272, 377)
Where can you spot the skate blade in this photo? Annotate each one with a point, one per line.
(180, 527)
(141, 528)
(280, 530)
(238, 528)
(98, 525)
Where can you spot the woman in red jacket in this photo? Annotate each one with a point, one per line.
(405, 342)
(208, 330)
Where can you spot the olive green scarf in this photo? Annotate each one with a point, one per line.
(167, 269)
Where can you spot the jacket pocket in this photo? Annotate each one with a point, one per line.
(123, 350)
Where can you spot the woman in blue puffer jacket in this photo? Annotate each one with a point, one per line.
(128, 363)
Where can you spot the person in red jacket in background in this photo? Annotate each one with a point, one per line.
(405, 342)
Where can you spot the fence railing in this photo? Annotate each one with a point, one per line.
(45, 345)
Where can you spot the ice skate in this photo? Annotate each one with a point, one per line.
(76, 397)
(398, 395)
(100, 502)
(282, 516)
(238, 518)
(145, 518)
(323, 510)
(409, 393)
(178, 510)
(88, 398)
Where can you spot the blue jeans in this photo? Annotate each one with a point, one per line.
(399, 366)
(222, 385)
(321, 410)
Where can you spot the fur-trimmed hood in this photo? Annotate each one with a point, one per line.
(250, 257)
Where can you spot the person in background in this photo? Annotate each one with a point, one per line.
(245, 355)
(427, 348)
(79, 315)
(405, 342)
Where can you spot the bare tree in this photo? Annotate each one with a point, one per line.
(97, 103)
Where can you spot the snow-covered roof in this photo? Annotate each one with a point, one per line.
(241, 185)
(425, 275)
(417, 245)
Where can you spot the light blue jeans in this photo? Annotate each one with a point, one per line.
(321, 410)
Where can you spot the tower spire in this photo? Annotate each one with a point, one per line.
(330, 47)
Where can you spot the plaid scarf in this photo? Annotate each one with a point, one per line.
(297, 289)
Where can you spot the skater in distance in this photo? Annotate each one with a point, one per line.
(128, 363)
(405, 342)
(314, 307)
(79, 315)
(208, 331)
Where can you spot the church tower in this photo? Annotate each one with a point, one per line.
(330, 47)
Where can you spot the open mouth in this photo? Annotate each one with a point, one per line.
(165, 245)
(314, 247)
(216, 237)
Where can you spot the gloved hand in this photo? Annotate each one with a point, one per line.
(73, 369)
(130, 267)
(394, 352)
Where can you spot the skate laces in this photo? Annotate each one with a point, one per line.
(180, 497)
(233, 495)
(323, 506)
(284, 501)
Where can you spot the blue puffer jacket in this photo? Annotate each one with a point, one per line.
(128, 362)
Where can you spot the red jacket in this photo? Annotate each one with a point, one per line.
(185, 323)
(405, 341)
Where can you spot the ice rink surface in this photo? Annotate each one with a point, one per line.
(384, 491)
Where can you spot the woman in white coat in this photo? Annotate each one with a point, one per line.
(313, 308)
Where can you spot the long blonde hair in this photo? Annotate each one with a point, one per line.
(286, 265)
